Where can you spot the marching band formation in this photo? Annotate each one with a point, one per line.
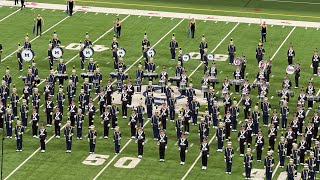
(81, 106)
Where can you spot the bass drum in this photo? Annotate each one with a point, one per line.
(57, 52)
(88, 52)
(27, 55)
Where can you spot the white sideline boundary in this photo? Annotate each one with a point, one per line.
(9, 15)
(20, 165)
(197, 159)
(293, 2)
(148, 13)
(115, 156)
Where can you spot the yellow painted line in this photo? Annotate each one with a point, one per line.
(201, 9)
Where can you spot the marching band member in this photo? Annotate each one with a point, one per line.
(71, 4)
(179, 71)
(312, 164)
(205, 85)
(225, 86)
(14, 102)
(290, 169)
(309, 135)
(204, 149)
(75, 79)
(139, 77)
(297, 70)
(268, 164)
(237, 78)
(316, 151)
(243, 65)
(114, 117)
(61, 69)
(57, 116)
(192, 27)
(145, 45)
(91, 112)
(255, 119)
(203, 45)
(30, 80)
(213, 72)
(169, 92)
(52, 81)
(282, 151)
(151, 68)
(163, 80)
(266, 107)
(194, 106)
(82, 46)
(149, 102)
(49, 111)
(180, 57)
(2, 114)
(68, 133)
(310, 93)
(91, 65)
(173, 47)
(179, 126)
(290, 54)
(245, 89)
(190, 93)
(97, 80)
(83, 100)
(114, 48)
(305, 173)
(234, 111)
(71, 92)
(108, 91)
(140, 139)
(117, 27)
(19, 57)
(246, 103)
(272, 135)
(242, 138)
(227, 121)
(275, 119)
(7, 78)
(260, 52)
(301, 117)
(55, 40)
(133, 120)
(27, 43)
(116, 140)
(140, 111)
(221, 132)
(259, 145)
(295, 157)
(261, 75)
(43, 138)
(102, 102)
(228, 156)
(302, 149)
(205, 61)
(226, 102)
(231, 51)
(284, 115)
(19, 130)
(155, 122)
(164, 111)
(34, 121)
(172, 105)
(249, 127)
(130, 91)
(92, 137)
(47, 89)
(286, 83)
(289, 138)
(162, 143)
(268, 69)
(34, 69)
(186, 113)
(315, 62)
(60, 99)
(72, 110)
(263, 29)
(4, 91)
(36, 99)
(87, 42)
(248, 158)
(79, 118)
(120, 78)
(302, 98)
(183, 148)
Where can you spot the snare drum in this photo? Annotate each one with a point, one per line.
(138, 82)
(205, 88)
(162, 83)
(182, 86)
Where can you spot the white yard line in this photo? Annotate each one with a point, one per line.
(174, 15)
(115, 156)
(9, 15)
(26, 160)
(215, 49)
(293, 2)
(283, 42)
(38, 36)
(92, 43)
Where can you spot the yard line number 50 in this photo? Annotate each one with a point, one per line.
(99, 159)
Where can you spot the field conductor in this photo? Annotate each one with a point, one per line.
(162, 143)
(117, 27)
(192, 27)
(173, 47)
(315, 62)
(39, 22)
(70, 6)
(290, 54)
(43, 137)
(140, 139)
(183, 148)
(263, 30)
(68, 133)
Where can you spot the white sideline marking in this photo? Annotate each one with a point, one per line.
(115, 156)
(294, 2)
(215, 48)
(39, 36)
(9, 15)
(20, 165)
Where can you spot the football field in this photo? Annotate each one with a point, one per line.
(56, 164)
